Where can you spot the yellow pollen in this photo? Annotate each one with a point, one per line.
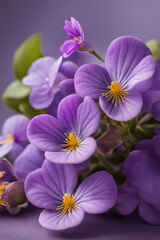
(78, 39)
(2, 174)
(115, 92)
(71, 142)
(10, 139)
(3, 187)
(68, 205)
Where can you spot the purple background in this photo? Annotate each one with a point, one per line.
(102, 21)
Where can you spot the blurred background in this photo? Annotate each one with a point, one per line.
(102, 22)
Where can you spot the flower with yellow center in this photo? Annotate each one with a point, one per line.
(2, 174)
(115, 93)
(68, 205)
(9, 139)
(3, 187)
(72, 142)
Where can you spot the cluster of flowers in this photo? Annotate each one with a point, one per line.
(97, 145)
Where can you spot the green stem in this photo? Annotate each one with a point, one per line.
(96, 55)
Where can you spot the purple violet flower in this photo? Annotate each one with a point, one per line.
(129, 68)
(12, 196)
(142, 168)
(14, 135)
(44, 79)
(52, 187)
(67, 139)
(77, 42)
(29, 160)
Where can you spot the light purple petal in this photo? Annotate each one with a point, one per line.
(88, 118)
(16, 150)
(149, 97)
(16, 126)
(82, 153)
(42, 66)
(61, 178)
(73, 28)
(45, 187)
(46, 133)
(123, 111)
(149, 213)
(67, 111)
(68, 69)
(125, 61)
(5, 148)
(54, 71)
(127, 199)
(50, 220)
(38, 71)
(97, 193)
(69, 47)
(41, 97)
(91, 80)
(29, 160)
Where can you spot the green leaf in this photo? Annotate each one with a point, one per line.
(16, 97)
(29, 111)
(14, 94)
(26, 54)
(154, 46)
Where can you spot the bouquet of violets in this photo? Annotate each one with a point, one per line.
(85, 138)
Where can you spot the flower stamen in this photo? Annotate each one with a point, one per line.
(10, 139)
(3, 187)
(2, 174)
(68, 205)
(77, 39)
(72, 142)
(116, 93)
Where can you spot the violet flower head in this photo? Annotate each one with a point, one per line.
(67, 139)
(142, 168)
(12, 196)
(44, 79)
(29, 160)
(77, 42)
(52, 188)
(129, 68)
(14, 135)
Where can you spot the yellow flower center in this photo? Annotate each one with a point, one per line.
(68, 205)
(115, 93)
(78, 39)
(3, 187)
(9, 139)
(71, 142)
(2, 174)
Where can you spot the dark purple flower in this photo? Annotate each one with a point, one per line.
(14, 135)
(142, 168)
(66, 87)
(77, 42)
(29, 160)
(52, 188)
(68, 138)
(130, 67)
(12, 196)
(151, 98)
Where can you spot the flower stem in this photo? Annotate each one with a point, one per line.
(96, 55)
